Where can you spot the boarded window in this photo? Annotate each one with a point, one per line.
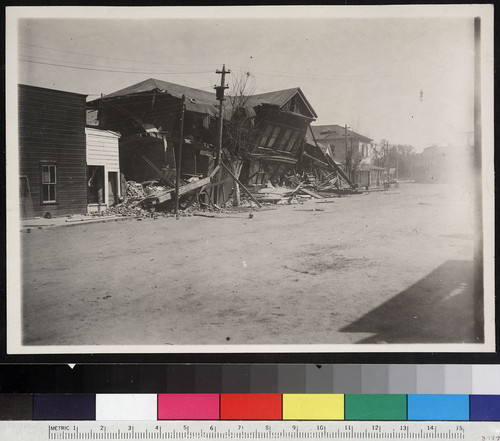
(49, 182)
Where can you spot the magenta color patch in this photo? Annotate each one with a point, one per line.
(188, 406)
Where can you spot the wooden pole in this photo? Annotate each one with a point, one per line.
(242, 186)
(179, 160)
(220, 97)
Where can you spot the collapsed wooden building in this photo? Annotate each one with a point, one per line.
(147, 115)
(154, 136)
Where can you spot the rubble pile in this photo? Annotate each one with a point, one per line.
(131, 205)
(300, 187)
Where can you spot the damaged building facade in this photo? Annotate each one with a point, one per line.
(281, 120)
(148, 117)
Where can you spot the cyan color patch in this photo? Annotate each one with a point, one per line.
(438, 407)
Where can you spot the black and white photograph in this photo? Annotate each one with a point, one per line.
(250, 179)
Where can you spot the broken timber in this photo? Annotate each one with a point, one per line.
(166, 195)
(311, 193)
(242, 186)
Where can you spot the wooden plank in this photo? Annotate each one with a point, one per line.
(167, 194)
(311, 193)
(294, 191)
(215, 184)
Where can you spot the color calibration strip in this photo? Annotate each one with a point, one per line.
(317, 407)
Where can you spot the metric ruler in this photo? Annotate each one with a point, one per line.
(248, 430)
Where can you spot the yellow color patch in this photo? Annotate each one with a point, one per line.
(313, 406)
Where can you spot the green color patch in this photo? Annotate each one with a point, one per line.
(375, 407)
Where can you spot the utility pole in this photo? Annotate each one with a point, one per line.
(179, 159)
(347, 156)
(220, 97)
(388, 164)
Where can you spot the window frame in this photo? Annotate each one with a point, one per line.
(273, 136)
(51, 185)
(292, 141)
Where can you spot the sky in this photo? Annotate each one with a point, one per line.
(404, 79)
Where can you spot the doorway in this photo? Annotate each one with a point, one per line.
(112, 188)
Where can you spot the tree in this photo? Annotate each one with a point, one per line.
(239, 128)
(399, 156)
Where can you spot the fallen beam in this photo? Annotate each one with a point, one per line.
(332, 162)
(311, 193)
(242, 186)
(167, 194)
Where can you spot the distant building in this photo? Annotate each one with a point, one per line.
(52, 152)
(340, 140)
(443, 164)
(352, 151)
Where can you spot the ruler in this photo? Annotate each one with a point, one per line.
(248, 430)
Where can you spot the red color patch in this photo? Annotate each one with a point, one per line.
(250, 407)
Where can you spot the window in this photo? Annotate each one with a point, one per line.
(273, 137)
(291, 143)
(48, 183)
(263, 140)
(285, 139)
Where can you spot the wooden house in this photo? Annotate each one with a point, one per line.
(148, 117)
(369, 176)
(52, 152)
(103, 169)
(281, 119)
(345, 146)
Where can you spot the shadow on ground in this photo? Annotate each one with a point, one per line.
(437, 309)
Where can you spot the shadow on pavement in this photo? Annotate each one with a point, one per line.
(437, 309)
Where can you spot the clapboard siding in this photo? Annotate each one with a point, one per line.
(102, 148)
(52, 129)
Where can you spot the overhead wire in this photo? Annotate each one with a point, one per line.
(113, 70)
(114, 58)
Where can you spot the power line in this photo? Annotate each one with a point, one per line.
(113, 58)
(113, 70)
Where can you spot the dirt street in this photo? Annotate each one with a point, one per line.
(393, 266)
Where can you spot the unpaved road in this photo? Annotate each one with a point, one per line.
(392, 267)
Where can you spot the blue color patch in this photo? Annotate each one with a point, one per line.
(438, 407)
(485, 407)
(64, 407)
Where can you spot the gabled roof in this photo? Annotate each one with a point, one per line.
(278, 98)
(335, 131)
(196, 100)
(205, 102)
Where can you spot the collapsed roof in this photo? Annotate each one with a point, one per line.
(200, 101)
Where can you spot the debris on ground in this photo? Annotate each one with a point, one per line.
(154, 199)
